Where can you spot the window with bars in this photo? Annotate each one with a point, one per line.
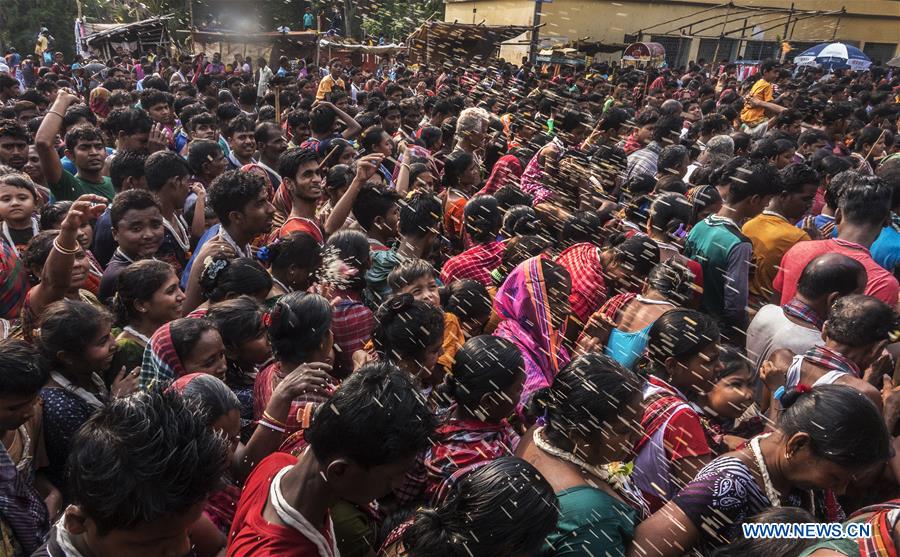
(879, 53)
(714, 50)
(762, 50)
(676, 49)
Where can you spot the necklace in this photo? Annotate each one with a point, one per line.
(771, 492)
(179, 231)
(774, 214)
(35, 229)
(292, 517)
(137, 334)
(615, 474)
(90, 398)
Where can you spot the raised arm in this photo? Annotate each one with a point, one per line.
(45, 137)
(353, 127)
(366, 167)
(56, 274)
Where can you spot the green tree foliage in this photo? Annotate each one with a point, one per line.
(394, 20)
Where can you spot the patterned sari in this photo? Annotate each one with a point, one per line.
(524, 309)
(161, 363)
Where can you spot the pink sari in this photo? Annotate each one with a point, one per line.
(524, 309)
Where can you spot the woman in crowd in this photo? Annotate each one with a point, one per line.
(181, 347)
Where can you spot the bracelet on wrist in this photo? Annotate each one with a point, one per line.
(63, 250)
(268, 417)
(273, 427)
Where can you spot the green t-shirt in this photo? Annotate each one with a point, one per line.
(590, 523)
(69, 187)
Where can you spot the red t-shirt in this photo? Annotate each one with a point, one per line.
(296, 224)
(254, 536)
(881, 284)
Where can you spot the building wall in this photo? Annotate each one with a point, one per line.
(875, 21)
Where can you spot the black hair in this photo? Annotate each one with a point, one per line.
(467, 299)
(138, 282)
(670, 212)
(264, 130)
(865, 200)
(153, 97)
(483, 218)
(203, 118)
(430, 136)
(126, 164)
(733, 361)
(352, 247)
(641, 184)
(38, 248)
(455, 165)
(128, 120)
(502, 509)
(76, 113)
(808, 137)
(161, 167)
(297, 248)
(186, 333)
(678, 333)
(322, 119)
(671, 157)
(240, 123)
(82, 133)
(375, 417)
(407, 272)
(843, 425)
(223, 277)
(226, 112)
(131, 200)
(518, 250)
(510, 196)
(588, 394)
(831, 272)
(15, 130)
(22, 372)
(771, 547)
(152, 82)
(674, 280)
(753, 178)
(521, 220)
(373, 202)
(210, 397)
(857, 320)
(117, 477)
(638, 254)
(238, 320)
(795, 176)
(406, 327)
(420, 214)
(295, 117)
(583, 226)
(291, 160)
(371, 137)
(868, 136)
(666, 128)
(300, 322)
(233, 191)
(339, 176)
(200, 152)
(20, 180)
(484, 364)
(69, 326)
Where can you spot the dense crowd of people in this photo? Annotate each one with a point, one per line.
(453, 311)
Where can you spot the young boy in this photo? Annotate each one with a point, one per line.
(167, 177)
(723, 251)
(417, 278)
(420, 218)
(126, 170)
(377, 210)
(84, 145)
(18, 198)
(25, 515)
(240, 133)
(137, 226)
(357, 452)
(126, 500)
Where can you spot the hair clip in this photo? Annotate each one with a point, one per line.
(214, 267)
(802, 389)
(680, 232)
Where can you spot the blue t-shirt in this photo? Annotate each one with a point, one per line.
(69, 166)
(210, 233)
(886, 249)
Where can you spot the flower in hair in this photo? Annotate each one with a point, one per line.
(267, 319)
(802, 389)
(214, 267)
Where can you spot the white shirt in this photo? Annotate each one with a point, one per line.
(771, 330)
(265, 75)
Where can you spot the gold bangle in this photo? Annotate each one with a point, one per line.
(268, 417)
(65, 251)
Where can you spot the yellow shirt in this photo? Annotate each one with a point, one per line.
(326, 85)
(772, 235)
(761, 90)
(453, 340)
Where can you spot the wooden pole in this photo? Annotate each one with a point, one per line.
(838, 24)
(721, 34)
(278, 104)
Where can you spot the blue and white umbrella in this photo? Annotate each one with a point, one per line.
(834, 56)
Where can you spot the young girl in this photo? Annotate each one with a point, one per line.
(486, 382)
(241, 322)
(293, 262)
(147, 297)
(225, 279)
(18, 198)
(60, 263)
(76, 343)
(460, 181)
(727, 401)
(181, 347)
(52, 216)
(682, 360)
(301, 338)
(471, 303)
(409, 333)
(353, 322)
(220, 410)
(503, 509)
